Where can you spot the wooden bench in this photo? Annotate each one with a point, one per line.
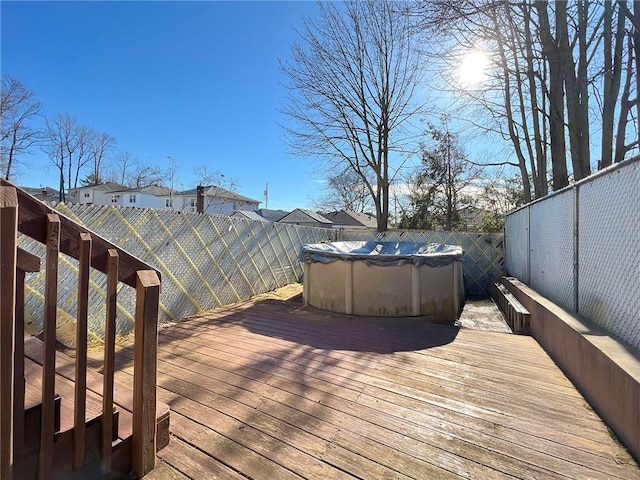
(517, 317)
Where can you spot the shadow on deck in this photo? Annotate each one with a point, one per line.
(272, 389)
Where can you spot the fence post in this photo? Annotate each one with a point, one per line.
(8, 258)
(528, 245)
(576, 246)
(144, 373)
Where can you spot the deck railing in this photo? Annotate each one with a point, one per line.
(20, 212)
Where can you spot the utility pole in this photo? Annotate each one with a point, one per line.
(266, 196)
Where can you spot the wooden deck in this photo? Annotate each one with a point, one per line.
(270, 389)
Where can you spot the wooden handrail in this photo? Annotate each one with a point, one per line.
(20, 212)
(30, 215)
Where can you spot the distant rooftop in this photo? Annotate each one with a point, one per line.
(271, 215)
(349, 218)
(249, 215)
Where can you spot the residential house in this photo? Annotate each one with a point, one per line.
(307, 218)
(46, 194)
(215, 200)
(151, 196)
(350, 219)
(99, 194)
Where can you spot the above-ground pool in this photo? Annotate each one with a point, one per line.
(387, 279)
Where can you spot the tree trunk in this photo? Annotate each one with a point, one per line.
(612, 58)
(540, 179)
(513, 135)
(575, 86)
(556, 99)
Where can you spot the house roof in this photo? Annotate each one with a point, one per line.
(248, 214)
(271, 215)
(350, 218)
(303, 215)
(52, 193)
(154, 190)
(108, 186)
(217, 192)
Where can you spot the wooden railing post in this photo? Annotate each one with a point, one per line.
(8, 255)
(27, 262)
(49, 363)
(109, 358)
(80, 425)
(144, 374)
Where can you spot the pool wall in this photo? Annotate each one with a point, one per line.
(360, 288)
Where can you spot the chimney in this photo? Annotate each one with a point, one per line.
(200, 199)
(44, 193)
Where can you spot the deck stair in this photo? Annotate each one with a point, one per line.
(26, 465)
(516, 315)
(59, 419)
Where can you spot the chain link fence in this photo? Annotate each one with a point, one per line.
(580, 248)
(207, 261)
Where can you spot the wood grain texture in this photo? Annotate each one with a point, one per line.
(144, 383)
(49, 329)
(28, 262)
(8, 260)
(109, 356)
(273, 389)
(80, 427)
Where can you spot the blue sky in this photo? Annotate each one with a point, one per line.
(196, 81)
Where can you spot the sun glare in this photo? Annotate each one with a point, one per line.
(473, 69)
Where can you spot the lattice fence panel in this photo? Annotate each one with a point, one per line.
(205, 261)
(483, 252)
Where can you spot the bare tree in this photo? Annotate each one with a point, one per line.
(101, 145)
(210, 177)
(19, 108)
(129, 171)
(171, 180)
(84, 138)
(344, 190)
(67, 144)
(143, 175)
(549, 61)
(352, 85)
(118, 169)
(59, 145)
(216, 183)
(496, 198)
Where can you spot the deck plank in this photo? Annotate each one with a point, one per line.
(272, 389)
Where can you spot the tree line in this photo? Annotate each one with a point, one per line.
(81, 155)
(561, 89)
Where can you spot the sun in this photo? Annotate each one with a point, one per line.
(473, 69)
